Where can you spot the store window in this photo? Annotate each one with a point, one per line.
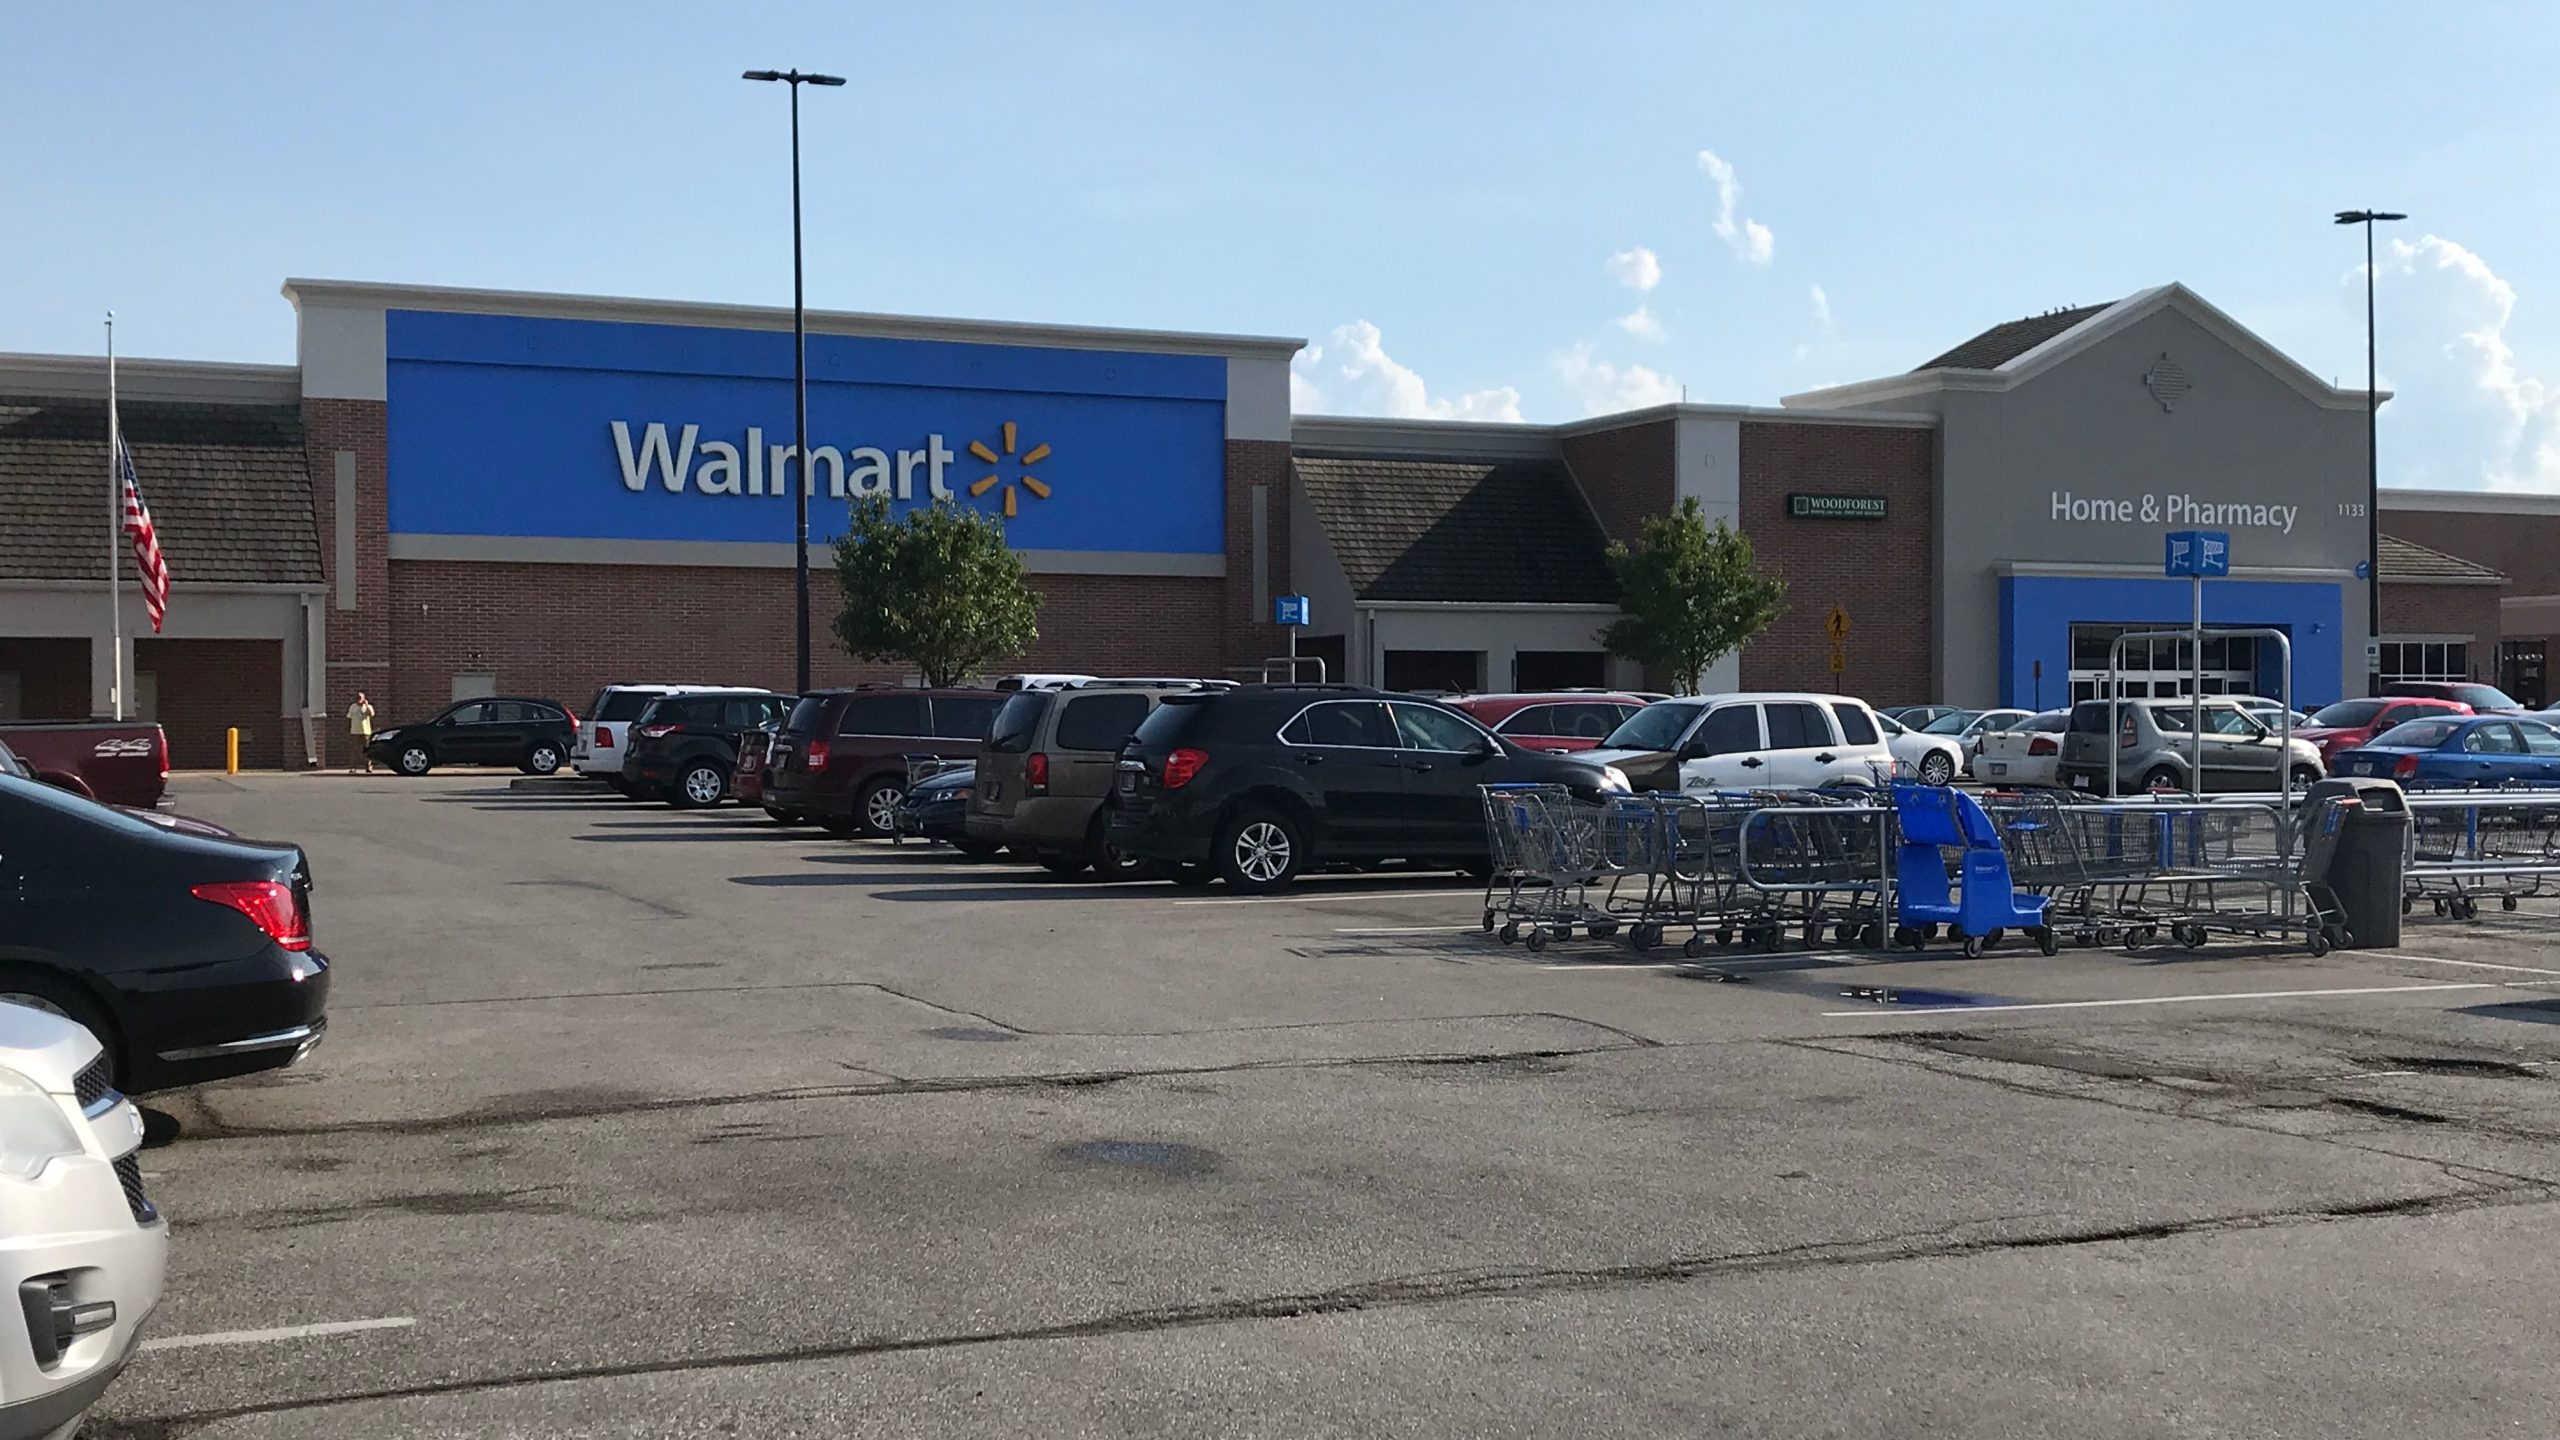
(2439, 658)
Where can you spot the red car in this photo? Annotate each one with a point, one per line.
(1562, 720)
(2351, 723)
(122, 762)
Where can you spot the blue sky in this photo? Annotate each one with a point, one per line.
(1432, 194)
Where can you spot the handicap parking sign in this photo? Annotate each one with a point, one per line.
(2199, 552)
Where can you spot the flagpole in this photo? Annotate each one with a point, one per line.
(115, 534)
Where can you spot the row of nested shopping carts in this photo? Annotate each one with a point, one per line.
(1758, 868)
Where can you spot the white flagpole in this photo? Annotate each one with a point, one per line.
(115, 532)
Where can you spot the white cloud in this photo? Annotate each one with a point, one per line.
(1605, 387)
(1748, 238)
(1357, 376)
(2462, 413)
(1822, 309)
(1642, 323)
(1637, 269)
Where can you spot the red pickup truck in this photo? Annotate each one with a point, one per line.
(121, 762)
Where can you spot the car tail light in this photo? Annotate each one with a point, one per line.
(160, 742)
(2043, 745)
(1036, 770)
(2405, 768)
(1181, 766)
(652, 732)
(270, 903)
(604, 737)
(817, 754)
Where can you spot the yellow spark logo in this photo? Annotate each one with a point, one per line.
(1025, 480)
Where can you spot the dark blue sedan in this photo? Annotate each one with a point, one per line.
(2458, 751)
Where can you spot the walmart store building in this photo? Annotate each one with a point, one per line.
(461, 492)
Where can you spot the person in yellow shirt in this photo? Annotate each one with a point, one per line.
(360, 731)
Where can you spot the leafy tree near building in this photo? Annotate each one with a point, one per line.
(1688, 596)
(939, 589)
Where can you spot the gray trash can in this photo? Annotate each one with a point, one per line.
(2358, 845)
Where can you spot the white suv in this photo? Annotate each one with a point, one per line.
(604, 735)
(1771, 741)
(83, 1248)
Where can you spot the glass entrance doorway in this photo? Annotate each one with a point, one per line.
(2156, 668)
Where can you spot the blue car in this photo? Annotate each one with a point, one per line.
(2457, 751)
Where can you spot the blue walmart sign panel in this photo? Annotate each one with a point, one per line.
(511, 426)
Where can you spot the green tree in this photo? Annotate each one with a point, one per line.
(1688, 595)
(939, 589)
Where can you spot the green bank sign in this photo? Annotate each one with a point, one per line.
(1836, 507)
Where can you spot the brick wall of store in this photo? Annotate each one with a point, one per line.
(1879, 571)
(206, 687)
(359, 640)
(53, 676)
(563, 630)
(2526, 548)
(1249, 636)
(2447, 610)
(1627, 474)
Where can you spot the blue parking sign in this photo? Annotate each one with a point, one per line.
(1290, 610)
(2205, 553)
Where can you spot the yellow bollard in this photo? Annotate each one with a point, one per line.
(231, 751)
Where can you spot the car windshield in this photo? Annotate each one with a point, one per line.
(2484, 697)
(2418, 734)
(1952, 723)
(2048, 723)
(2348, 714)
(1655, 727)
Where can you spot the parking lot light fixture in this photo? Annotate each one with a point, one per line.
(799, 377)
(2372, 442)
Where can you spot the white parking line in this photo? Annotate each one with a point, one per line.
(1331, 895)
(1873, 1011)
(1403, 929)
(2465, 964)
(289, 1332)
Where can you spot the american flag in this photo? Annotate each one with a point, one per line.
(146, 541)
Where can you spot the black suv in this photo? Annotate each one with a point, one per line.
(684, 747)
(533, 735)
(1259, 784)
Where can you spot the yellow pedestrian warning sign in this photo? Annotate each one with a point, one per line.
(1837, 626)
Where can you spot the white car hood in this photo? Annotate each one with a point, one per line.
(44, 1047)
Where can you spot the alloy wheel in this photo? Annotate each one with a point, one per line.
(1262, 852)
(882, 811)
(1936, 768)
(702, 785)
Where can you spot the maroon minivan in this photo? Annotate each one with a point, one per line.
(841, 759)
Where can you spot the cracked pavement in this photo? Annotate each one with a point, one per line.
(751, 1131)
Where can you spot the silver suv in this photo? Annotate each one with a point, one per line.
(1045, 769)
(2153, 749)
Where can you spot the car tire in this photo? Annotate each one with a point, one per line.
(414, 760)
(1936, 768)
(1261, 850)
(981, 851)
(700, 785)
(1189, 874)
(876, 811)
(785, 817)
(56, 995)
(542, 759)
(843, 827)
(2304, 777)
(1107, 863)
(1066, 865)
(2161, 777)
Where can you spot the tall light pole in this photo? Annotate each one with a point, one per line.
(2372, 448)
(799, 372)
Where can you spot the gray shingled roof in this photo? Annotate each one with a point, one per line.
(2410, 562)
(1506, 532)
(2003, 343)
(228, 486)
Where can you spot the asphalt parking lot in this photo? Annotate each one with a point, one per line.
(634, 1122)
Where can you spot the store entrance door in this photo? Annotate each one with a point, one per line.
(2521, 672)
(2157, 668)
